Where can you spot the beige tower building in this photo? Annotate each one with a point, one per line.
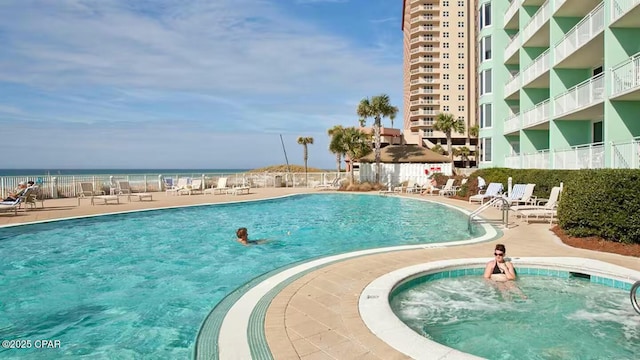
(439, 70)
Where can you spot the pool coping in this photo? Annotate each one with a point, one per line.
(376, 312)
(246, 315)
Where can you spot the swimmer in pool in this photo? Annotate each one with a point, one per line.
(243, 237)
(502, 272)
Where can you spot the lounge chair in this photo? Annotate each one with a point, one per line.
(493, 190)
(11, 205)
(448, 188)
(238, 190)
(195, 187)
(124, 188)
(182, 184)
(86, 191)
(221, 187)
(517, 192)
(547, 209)
(333, 185)
(459, 187)
(411, 184)
(527, 197)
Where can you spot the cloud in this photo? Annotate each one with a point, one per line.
(229, 66)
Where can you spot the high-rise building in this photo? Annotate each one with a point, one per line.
(439, 70)
(559, 83)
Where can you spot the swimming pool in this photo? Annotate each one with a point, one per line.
(140, 284)
(559, 313)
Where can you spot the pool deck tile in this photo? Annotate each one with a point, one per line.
(317, 315)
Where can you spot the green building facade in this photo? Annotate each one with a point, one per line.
(559, 83)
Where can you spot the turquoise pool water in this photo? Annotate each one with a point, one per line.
(139, 285)
(560, 318)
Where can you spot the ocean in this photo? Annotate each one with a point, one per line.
(43, 172)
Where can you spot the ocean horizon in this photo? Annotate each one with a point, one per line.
(53, 172)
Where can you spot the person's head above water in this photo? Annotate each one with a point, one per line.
(242, 233)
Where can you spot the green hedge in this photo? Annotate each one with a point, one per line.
(604, 203)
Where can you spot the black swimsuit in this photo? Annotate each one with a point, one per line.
(496, 269)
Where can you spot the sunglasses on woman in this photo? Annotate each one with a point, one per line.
(498, 254)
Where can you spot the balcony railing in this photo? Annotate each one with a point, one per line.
(512, 46)
(512, 161)
(416, 123)
(587, 93)
(424, 18)
(424, 112)
(424, 38)
(422, 8)
(425, 102)
(537, 160)
(626, 154)
(621, 7)
(557, 4)
(423, 59)
(588, 156)
(421, 49)
(422, 81)
(538, 67)
(626, 76)
(512, 85)
(582, 33)
(421, 91)
(512, 124)
(539, 114)
(421, 70)
(537, 20)
(513, 8)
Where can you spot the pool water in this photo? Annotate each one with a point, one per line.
(139, 285)
(557, 318)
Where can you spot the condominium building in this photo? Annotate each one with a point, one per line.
(559, 83)
(439, 69)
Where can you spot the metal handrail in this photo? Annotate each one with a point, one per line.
(634, 299)
(490, 203)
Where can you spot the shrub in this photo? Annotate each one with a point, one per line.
(604, 203)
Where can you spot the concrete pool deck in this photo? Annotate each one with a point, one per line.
(317, 315)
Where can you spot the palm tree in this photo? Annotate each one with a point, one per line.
(474, 131)
(377, 108)
(304, 141)
(357, 144)
(447, 123)
(464, 152)
(438, 149)
(336, 145)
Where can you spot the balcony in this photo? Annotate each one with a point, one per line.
(538, 117)
(588, 156)
(512, 125)
(421, 49)
(574, 8)
(423, 112)
(511, 15)
(425, 19)
(424, 29)
(421, 123)
(536, 31)
(626, 154)
(583, 45)
(625, 80)
(512, 88)
(512, 49)
(536, 75)
(422, 70)
(421, 8)
(537, 160)
(424, 59)
(625, 13)
(583, 101)
(424, 102)
(424, 39)
(421, 92)
(422, 81)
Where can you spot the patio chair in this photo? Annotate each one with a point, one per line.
(221, 187)
(181, 184)
(124, 188)
(527, 198)
(86, 191)
(333, 185)
(11, 205)
(517, 191)
(493, 190)
(547, 208)
(542, 204)
(195, 187)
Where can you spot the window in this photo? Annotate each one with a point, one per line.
(445, 76)
(445, 98)
(597, 132)
(445, 34)
(485, 116)
(460, 3)
(461, 13)
(445, 3)
(460, 76)
(445, 55)
(460, 55)
(445, 87)
(445, 66)
(428, 132)
(461, 66)
(460, 34)
(461, 87)
(445, 13)
(485, 150)
(485, 82)
(460, 23)
(445, 45)
(461, 108)
(445, 24)
(445, 108)
(485, 48)
(485, 15)
(460, 45)
(460, 97)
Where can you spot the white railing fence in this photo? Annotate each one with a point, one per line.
(589, 156)
(582, 33)
(512, 124)
(626, 155)
(537, 20)
(621, 7)
(537, 160)
(626, 75)
(511, 10)
(512, 46)
(588, 92)
(65, 186)
(539, 114)
(538, 67)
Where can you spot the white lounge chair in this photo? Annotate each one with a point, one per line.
(542, 204)
(517, 191)
(11, 205)
(493, 190)
(527, 198)
(86, 191)
(333, 185)
(182, 184)
(124, 188)
(448, 188)
(221, 187)
(195, 187)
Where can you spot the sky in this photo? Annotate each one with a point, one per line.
(208, 84)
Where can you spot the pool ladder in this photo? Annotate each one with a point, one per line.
(634, 299)
(498, 200)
